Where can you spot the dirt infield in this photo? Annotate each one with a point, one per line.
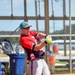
(64, 74)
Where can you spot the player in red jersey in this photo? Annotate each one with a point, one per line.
(29, 40)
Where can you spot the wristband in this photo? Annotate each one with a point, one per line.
(45, 42)
(45, 36)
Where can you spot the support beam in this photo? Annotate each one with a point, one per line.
(55, 35)
(32, 18)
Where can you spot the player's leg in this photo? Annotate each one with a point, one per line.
(45, 69)
(28, 67)
(37, 67)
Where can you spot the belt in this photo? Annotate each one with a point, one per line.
(40, 57)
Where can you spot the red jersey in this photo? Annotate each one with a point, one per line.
(28, 42)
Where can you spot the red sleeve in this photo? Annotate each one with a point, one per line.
(33, 33)
(26, 43)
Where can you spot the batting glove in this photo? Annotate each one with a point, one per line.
(48, 39)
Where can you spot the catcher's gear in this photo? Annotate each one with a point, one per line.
(6, 46)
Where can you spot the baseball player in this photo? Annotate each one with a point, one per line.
(29, 40)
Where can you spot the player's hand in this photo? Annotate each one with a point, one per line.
(48, 39)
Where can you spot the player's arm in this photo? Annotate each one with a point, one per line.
(41, 35)
(39, 46)
(48, 40)
(38, 35)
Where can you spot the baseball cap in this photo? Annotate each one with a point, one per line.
(24, 24)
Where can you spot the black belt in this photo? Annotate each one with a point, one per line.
(40, 57)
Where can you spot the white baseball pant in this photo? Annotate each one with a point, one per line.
(39, 67)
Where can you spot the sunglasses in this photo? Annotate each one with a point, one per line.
(26, 28)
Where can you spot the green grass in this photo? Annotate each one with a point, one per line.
(62, 70)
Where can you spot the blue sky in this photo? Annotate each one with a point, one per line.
(18, 10)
